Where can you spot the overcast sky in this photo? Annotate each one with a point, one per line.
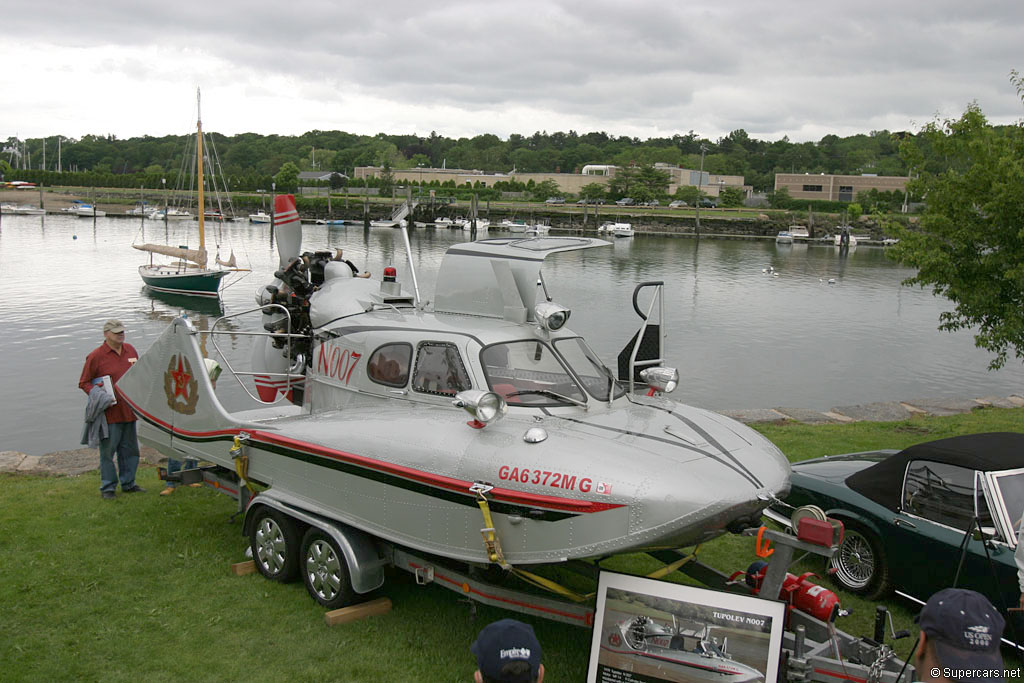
(462, 68)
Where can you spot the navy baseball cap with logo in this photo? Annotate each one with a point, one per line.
(502, 643)
(965, 629)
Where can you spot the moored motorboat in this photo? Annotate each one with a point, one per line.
(260, 216)
(80, 208)
(170, 214)
(23, 209)
(514, 226)
(784, 237)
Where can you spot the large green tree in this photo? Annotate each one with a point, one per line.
(287, 179)
(969, 246)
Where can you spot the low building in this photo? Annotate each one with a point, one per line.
(570, 183)
(836, 188)
(325, 176)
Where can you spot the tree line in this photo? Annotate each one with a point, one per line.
(251, 161)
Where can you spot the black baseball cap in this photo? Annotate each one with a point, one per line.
(503, 642)
(966, 630)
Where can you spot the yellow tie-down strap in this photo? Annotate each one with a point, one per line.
(550, 585)
(490, 536)
(495, 554)
(242, 465)
(669, 568)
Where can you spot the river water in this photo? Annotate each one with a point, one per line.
(740, 338)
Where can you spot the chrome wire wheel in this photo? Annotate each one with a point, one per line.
(855, 561)
(270, 546)
(323, 571)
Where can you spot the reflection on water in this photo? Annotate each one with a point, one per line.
(750, 324)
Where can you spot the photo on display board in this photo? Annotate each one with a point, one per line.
(648, 631)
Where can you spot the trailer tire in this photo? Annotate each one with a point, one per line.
(325, 571)
(274, 538)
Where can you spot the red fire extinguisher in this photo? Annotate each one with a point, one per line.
(799, 592)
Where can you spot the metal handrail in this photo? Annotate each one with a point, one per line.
(213, 332)
(660, 300)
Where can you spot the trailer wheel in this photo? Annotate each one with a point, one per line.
(275, 545)
(325, 571)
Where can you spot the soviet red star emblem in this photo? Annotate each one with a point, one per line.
(180, 385)
(181, 379)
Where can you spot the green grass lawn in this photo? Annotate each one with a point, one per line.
(140, 588)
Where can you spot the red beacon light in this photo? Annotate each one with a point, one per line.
(390, 274)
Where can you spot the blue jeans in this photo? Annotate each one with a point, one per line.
(122, 441)
(175, 466)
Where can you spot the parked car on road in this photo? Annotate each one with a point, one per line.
(677, 204)
(625, 201)
(909, 513)
(706, 203)
(590, 201)
(555, 200)
(652, 202)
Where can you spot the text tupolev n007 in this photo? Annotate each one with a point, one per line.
(558, 461)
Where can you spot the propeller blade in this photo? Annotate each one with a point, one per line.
(288, 228)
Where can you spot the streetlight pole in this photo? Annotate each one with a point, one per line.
(700, 181)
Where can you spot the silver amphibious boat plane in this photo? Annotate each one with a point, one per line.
(558, 461)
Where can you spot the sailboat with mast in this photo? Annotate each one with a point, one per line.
(189, 274)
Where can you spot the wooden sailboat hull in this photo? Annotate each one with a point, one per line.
(192, 282)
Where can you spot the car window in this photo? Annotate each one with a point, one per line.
(389, 365)
(1011, 488)
(439, 370)
(942, 493)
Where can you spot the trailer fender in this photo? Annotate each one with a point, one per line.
(364, 558)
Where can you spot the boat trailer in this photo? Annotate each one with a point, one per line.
(814, 650)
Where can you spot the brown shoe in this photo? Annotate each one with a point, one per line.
(195, 485)
(167, 491)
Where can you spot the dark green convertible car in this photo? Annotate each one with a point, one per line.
(908, 515)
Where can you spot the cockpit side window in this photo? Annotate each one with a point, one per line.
(439, 370)
(389, 365)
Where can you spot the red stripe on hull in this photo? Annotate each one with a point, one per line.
(436, 480)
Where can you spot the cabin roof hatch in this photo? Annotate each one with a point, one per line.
(497, 278)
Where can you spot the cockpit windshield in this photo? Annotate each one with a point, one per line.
(529, 373)
(596, 378)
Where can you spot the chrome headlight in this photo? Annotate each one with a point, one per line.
(551, 315)
(484, 406)
(661, 379)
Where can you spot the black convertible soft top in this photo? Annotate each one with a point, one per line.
(990, 452)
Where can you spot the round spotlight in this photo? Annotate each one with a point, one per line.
(661, 379)
(551, 315)
(484, 406)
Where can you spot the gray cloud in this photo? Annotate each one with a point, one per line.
(639, 68)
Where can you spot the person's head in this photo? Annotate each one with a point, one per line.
(960, 632)
(113, 332)
(507, 651)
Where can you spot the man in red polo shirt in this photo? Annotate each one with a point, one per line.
(114, 357)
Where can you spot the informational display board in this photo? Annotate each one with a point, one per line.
(648, 631)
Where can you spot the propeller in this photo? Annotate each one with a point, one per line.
(288, 228)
